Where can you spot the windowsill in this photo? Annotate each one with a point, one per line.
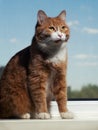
(83, 110)
(86, 118)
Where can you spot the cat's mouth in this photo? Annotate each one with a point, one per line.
(58, 41)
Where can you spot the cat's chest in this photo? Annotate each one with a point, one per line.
(61, 56)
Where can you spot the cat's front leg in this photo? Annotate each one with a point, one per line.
(37, 89)
(41, 111)
(60, 93)
(38, 96)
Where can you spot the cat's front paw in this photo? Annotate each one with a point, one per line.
(25, 116)
(42, 115)
(67, 115)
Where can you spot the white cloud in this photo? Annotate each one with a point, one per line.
(90, 30)
(87, 64)
(13, 40)
(73, 23)
(85, 56)
(86, 60)
(81, 56)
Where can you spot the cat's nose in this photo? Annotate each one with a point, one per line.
(59, 35)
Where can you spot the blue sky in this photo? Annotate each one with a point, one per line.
(17, 23)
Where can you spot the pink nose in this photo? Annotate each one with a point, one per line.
(60, 35)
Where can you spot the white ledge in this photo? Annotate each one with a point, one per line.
(86, 118)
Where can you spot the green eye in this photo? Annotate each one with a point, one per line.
(52, 28)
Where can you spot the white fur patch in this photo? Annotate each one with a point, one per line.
(25, 116)
(42, 115)
(61, 55)
(67, 115)
(58, 36)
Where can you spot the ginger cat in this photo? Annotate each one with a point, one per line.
(36, 71)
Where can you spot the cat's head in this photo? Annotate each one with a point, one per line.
(51, 30)
(54, 29)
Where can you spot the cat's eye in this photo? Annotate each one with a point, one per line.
(64, 28)
(52, 28)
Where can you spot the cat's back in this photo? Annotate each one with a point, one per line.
(20, 59)
(16, 67)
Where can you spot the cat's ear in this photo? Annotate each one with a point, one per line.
(62, 15)
(41, 16)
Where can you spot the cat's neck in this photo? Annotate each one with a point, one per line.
(46, 52)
